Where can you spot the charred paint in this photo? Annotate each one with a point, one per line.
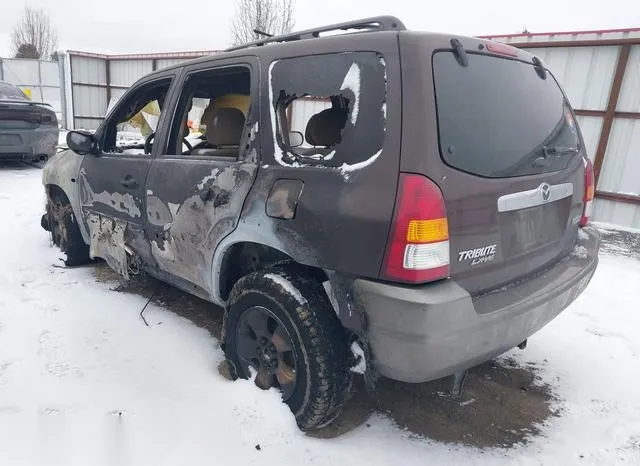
(120, 202)
(191, 217)
(283, 199)
(107, 242)
(63, 170)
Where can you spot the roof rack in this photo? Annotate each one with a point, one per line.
(376, 23)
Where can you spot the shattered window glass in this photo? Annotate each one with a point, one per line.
(328, 110)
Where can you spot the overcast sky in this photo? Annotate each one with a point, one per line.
(133, 26)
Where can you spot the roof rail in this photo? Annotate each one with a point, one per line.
(376, 23)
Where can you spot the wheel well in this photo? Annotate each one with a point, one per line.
(55, 192)
(245, 258)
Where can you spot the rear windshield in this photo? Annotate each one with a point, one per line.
(11, 92)
(498, 118)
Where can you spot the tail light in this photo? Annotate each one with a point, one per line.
(34, 118)
(418, 247)
(589, 192)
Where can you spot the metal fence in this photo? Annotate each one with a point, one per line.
(600, 72)
(41, 79)
(96, 81)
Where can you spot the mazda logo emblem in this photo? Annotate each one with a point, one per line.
(546, 191)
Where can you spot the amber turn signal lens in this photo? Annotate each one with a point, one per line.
(427, 231)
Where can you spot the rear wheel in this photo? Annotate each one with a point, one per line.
(65, 233)
(281, 326)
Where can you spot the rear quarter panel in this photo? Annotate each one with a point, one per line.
(342, 218)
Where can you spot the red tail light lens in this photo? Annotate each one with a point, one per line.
(418, 247)
(589, 192)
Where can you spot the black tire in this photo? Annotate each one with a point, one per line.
(65, 233)
(320, 343)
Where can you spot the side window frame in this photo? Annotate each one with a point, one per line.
(253, 115)
(103, 130)
(369, 96)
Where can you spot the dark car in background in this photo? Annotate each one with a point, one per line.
(28, 130)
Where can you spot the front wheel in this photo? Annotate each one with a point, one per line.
(65, 233)
(281, 326)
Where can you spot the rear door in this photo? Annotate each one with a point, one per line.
(198, 182)
(507, 155)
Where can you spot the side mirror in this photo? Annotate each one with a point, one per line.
(295, 138)
(81, 142)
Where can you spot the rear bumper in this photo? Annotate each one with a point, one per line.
(28, 144)
(424, 333)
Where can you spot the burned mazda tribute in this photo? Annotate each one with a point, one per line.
(409, 203)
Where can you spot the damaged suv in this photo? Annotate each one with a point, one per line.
(420, 200)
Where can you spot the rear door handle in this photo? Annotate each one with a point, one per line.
(129, 182)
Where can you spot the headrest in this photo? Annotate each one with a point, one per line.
(225, 126)
(325, 128)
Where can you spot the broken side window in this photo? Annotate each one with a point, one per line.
(314, 125)
(211, 113)
(134, 120)
(328, 110)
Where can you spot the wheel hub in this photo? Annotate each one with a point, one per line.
(267, 354)
(265, 344)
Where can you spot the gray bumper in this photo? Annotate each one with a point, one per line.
(28, 144)
(424, 333)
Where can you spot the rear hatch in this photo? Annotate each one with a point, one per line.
(495, 132)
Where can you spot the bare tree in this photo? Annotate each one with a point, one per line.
(33, 36)
(272, 17)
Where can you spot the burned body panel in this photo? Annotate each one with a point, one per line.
(111, 193)
(63, 170)
(187, 219)
(107, 241)
(342, 216)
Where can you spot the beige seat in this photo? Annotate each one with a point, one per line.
(324, 132)
(224, 127)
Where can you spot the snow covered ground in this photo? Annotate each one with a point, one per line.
(84, 382)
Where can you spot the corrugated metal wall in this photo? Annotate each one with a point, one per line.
(586, 65)
(41, 77)
(88, 90)
(98, 81)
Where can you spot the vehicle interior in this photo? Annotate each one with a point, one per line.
(133, 126)
(314, 125)
(215, 104)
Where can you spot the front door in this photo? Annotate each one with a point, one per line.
(112, 183)
(197, 186)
